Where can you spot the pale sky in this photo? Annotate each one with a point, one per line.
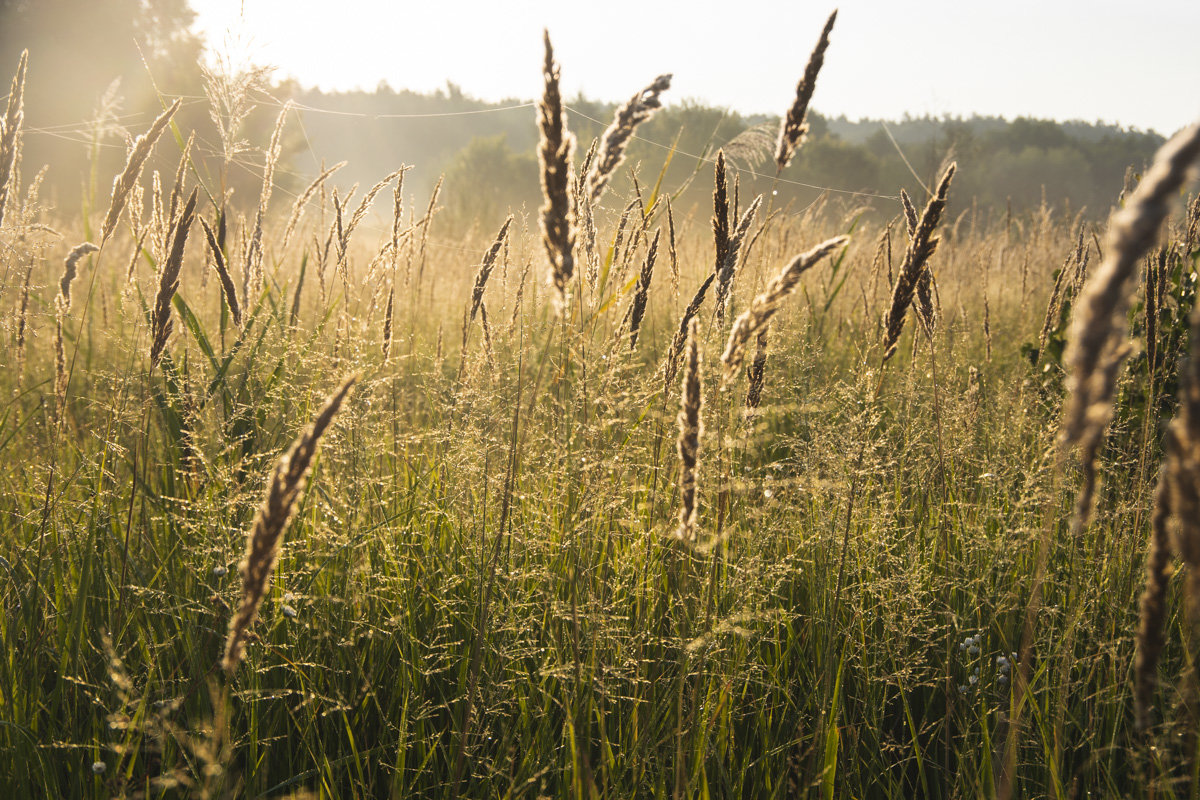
(1133, 63)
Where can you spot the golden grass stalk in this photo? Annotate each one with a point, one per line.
(138, 154)
(921, 245)
(555, 151)
(793, 129)
(140, 241)
(755, 318)
(168, 281)
(690, 430)
(22, 319)
(302, 201)
(1098, 326)
(1062, 283)
(486, 267)
(426, 221)
(227, 286)
(70, 265)
(671, 366)
(671, 249)
(262, 545)
(613, 141)
(638, 308)
(254, 250)
(10, 131)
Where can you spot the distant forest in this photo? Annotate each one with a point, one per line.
(98, 75)
(489, 162)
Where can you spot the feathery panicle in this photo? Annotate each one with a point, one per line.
(10, 131)
(763, 307)
(638, 309)
(611, 153)
(555, 151)
(791, 132)
(262, 547)
(69, 267)
(1099, 325)
(365, 204)
(168, 282)
(690, 430)
(254, 248)
(758, 369)
(921, 245)
(671, 365)
(227, 286)
(138, 154)
(486, 267)
(302, 201)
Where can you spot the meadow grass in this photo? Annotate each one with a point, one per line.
(512, 573)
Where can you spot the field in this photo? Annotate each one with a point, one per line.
(581, 527)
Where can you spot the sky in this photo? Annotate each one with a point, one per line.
(1132, 63)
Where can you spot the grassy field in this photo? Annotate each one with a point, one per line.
(495, 584)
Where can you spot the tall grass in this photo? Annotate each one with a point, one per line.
(554, 564)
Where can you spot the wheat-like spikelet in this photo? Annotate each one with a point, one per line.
(486, 267)
(671, 365)
(921, 246)
(792, 131)
(910, 213)
(262, 546)
(555, 150)
(10, 131)
(138, 154)
(691, 429)
(227, 286)
(758, 370)
(726, 271)
(1099, 323)
(22, 319)
(70, 264)
(387, 324)
(168, 281)
(720, 218)
(638, 308)
(611, 152)
(762, 308)
(302, 201)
